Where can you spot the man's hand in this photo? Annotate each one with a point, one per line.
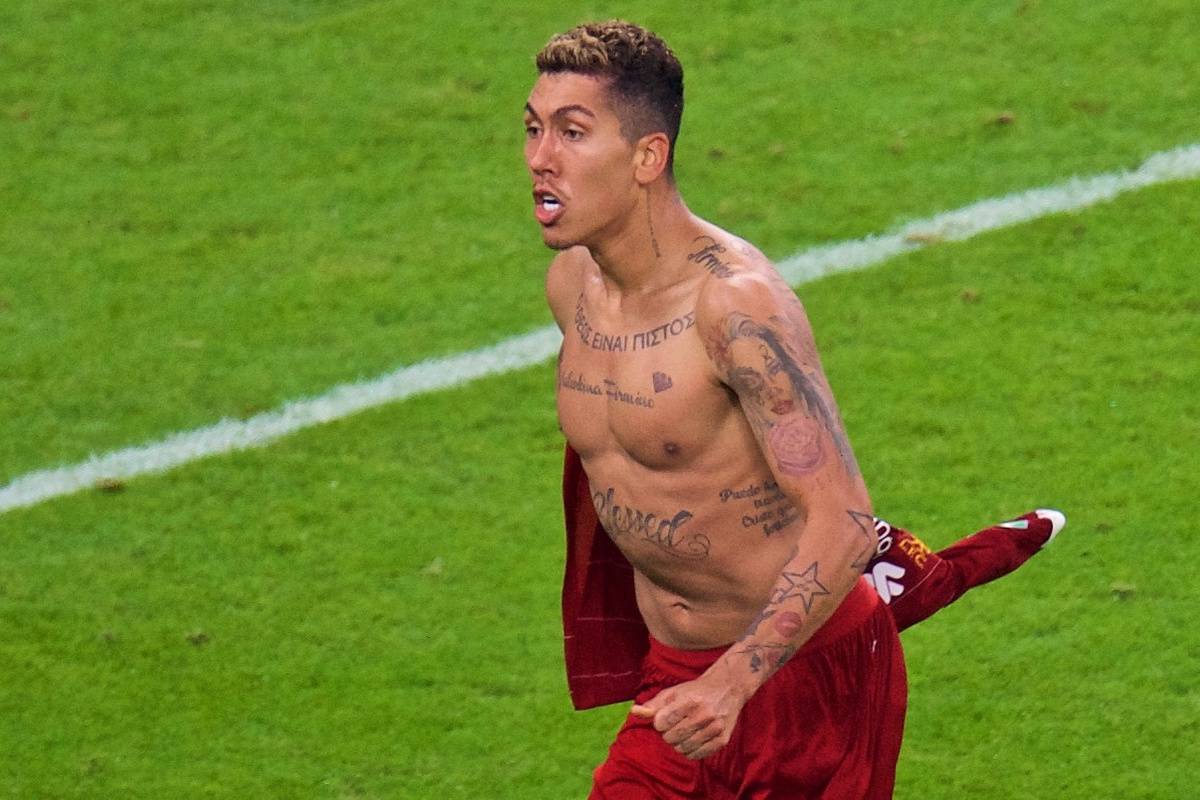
(697, 717)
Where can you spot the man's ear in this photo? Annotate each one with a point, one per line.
(650, 157)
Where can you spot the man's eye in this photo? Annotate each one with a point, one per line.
(532, 131)
(572, 134)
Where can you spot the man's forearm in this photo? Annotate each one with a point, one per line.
(811, 586)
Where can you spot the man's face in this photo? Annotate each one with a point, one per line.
(582, 167)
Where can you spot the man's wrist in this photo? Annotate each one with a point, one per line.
(739, 670)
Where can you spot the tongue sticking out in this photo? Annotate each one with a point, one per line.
(547, 209)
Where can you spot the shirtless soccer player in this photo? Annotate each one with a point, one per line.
(690, 387)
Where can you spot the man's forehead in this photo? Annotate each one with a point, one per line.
(554, 91)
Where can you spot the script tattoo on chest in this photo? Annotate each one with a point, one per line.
(577, 382)
(624, 342)
(764, 504)
(665, 533)
(636, 399)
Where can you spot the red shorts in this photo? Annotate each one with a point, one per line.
(827, 725)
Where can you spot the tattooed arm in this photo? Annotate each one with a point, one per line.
(760, 345)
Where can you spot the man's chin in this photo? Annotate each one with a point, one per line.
(555, 240)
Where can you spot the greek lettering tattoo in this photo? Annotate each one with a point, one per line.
(664, 533)
(623, 342)
(596, 339)
(663, 333)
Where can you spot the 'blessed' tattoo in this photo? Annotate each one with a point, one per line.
(665, 533)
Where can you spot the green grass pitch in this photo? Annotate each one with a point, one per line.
(209, 208)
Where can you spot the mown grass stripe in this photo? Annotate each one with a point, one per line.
(517, 352)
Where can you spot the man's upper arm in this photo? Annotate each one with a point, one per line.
(760, 343)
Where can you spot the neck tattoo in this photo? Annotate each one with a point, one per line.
(650, 222)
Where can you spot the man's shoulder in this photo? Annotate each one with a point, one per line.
(565, 279)
(740, 278)
(724, 254)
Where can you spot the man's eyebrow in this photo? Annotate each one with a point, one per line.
(563, 111)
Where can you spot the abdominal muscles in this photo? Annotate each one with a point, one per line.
(707, 547)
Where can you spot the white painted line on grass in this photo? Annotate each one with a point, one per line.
(229, 435)
(341, 401)
(1182, 163)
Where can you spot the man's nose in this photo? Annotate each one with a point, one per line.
(541, 154)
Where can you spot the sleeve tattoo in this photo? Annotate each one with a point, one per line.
(789, 407)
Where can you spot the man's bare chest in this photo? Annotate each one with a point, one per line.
(643, 388)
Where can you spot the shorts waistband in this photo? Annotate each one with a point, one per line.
(686, 661)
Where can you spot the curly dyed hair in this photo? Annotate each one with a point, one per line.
(645, 79)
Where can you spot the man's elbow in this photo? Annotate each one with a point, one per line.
(846, 528)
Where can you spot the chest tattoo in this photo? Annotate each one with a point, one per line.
(623, 342)
(661, 531)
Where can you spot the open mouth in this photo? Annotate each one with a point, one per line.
(546, 207)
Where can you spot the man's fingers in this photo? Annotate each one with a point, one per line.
(705, 742)
(687, 729)
(665, 714)
(670, 716)
(706, 750)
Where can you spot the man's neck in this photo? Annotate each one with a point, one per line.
(644, 255)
